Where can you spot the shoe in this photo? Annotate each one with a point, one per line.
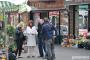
(33, 56)
(20, 57)
(45, 57)
(53, 58)
(28, 56)
(40, 56)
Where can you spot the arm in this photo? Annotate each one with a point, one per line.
(34, 31)
(53, 27)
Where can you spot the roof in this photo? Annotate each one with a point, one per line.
(7, 6)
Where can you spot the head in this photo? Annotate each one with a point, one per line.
(41, 21)
(46, 20)
(20, 28)
(30, 23)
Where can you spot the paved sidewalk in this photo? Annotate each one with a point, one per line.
(61, 53)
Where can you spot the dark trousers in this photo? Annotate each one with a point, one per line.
(41, 47)
(19, 49)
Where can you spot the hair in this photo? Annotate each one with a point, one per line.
(30, 21)
(46, 19)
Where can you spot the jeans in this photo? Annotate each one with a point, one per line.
(41, 47)
(50, 49)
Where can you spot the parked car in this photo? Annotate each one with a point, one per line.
(63, 29)
(63, 33)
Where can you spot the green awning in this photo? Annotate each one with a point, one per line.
(26, 8)
(6, 6)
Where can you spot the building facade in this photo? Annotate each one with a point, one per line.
(47, 8)
(73, 10)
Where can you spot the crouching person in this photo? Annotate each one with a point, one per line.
(11, 55)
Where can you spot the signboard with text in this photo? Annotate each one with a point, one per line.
(47, 5)
(77, 1)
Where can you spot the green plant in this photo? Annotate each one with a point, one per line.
(10, 30)
(2, 39)
(13, 46)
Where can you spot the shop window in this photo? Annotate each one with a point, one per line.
(43, 15)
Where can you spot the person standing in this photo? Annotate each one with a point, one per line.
(19, 41)
(41, 45)
(31, 33)
(47, 33)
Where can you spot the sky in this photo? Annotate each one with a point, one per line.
(16, 2)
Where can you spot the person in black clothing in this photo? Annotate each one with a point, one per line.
(41, 45)
(11, 56)
(19, 41)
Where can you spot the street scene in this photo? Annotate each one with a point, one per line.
(44, 29)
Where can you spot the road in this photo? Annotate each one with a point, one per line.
(62, 54)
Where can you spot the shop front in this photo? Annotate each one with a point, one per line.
(53, 10)
(79, 10)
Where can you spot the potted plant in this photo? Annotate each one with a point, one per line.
(10, 34)
(80, 44)
(10, 30)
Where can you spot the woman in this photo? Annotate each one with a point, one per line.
(19, 41)
(31, 33)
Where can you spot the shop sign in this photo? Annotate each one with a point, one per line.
(54, 13)
(77, 1)
(47, 5)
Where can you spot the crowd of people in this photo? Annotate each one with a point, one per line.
(46, 32)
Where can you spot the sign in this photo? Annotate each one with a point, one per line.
(47, 5)
(81, 1)
(77, 1)
(54, 13)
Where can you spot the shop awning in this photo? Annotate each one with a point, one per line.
(26, 8)
(6, 6)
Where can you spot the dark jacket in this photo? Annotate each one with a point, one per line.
(19, 37)
(39, 31)
(47, 31)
